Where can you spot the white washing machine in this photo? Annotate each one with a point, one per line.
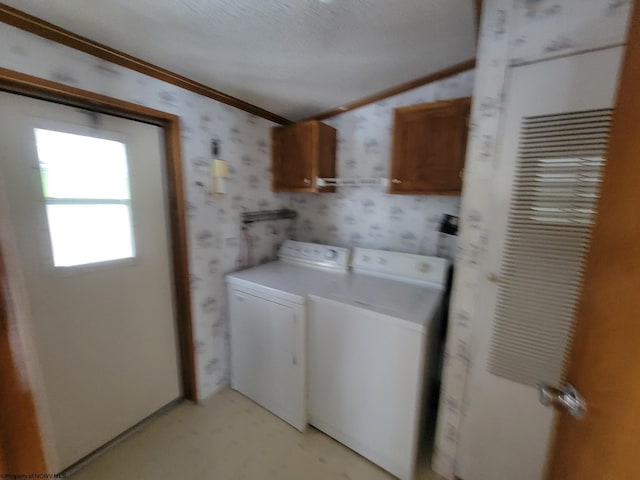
(268, 317)
(367, 352)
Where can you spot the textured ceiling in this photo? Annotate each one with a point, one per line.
(295, 58)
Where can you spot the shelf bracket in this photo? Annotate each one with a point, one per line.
(352, 182)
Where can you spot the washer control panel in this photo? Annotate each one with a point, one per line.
(417, 268)
(315, 254)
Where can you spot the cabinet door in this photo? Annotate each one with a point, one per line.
(267, 355)
(429, 148)
(293, 157)
(326, 155)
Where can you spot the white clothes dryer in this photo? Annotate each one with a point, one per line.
(368, 342)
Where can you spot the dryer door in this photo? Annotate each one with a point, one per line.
(267, 354)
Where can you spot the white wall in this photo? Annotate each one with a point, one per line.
(245, 144)
(369, 217)
(512, 32)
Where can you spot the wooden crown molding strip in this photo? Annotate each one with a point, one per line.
(42, 28)
(433, 77)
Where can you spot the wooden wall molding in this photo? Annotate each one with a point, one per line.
(23, 415)
(419, 82)
(477, 5)
(42, 28)
(21, 447)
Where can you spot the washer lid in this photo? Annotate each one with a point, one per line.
(285, 280)
(406, 301)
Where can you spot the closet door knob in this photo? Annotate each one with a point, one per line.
(307, 181)
(396, 181)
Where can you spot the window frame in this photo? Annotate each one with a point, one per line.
(47, 244)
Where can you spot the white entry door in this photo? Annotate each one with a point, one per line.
(555, 130)
(87, 212)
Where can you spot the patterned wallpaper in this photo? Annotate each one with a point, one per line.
(367, 216)
(547, 28)
(213, 223)
(512, 31)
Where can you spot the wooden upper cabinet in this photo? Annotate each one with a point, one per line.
(429, 146)
(300, 153)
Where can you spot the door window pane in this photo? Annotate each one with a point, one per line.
(77, 166)
(85, 183)
(82, 234)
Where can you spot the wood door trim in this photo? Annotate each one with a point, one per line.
(20, 83)
(606, 318)
(36, 87)
(20, 440)
(42, 28)
(477, 6)
(419, 82)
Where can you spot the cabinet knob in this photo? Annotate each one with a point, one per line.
(307, 181)
(396, 181)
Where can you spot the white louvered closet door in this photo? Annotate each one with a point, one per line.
(554, 139)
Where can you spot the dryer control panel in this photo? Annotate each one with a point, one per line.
(312, 254)
(402, 266)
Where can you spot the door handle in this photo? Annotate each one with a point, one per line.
(566, 398)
